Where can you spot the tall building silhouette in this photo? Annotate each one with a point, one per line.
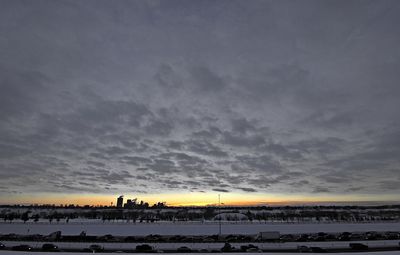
(120, 201)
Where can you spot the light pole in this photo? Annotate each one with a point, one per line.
(219, 212)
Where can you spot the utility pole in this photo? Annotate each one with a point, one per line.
(219, 212)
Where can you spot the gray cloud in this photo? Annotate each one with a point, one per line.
(206, 148)
(207, 80)
(248, 189)
(220, 190)
(259, 164)
(226, 96)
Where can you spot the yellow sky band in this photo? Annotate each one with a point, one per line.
(196, 199)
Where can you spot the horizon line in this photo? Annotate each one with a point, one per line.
(244, 204)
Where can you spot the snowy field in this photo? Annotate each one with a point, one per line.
(194, 228)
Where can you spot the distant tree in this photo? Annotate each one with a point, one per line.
(209, 213)
(25, 217)
(11, 217)
(132, 215)
(36, 218)
(249, 215)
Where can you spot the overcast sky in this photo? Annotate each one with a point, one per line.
(257, 97)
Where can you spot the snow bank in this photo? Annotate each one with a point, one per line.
(127, 229)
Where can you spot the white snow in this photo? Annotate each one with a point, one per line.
(189, 228)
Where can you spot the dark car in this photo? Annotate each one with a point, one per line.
(106, 238)
(227, 247)
(357, 237)
(153, 238)
(330, 237)
(319, 238)
(286, 238)
(302, 238)
(130, 239)
(318, 250)
(392, 235)
(144, 248)
(247, 247)
(231, 238)
(345, 236)
(2, 246)
(49, 247)
(184, 249)
(245, 238)
(96, 248)
(372, 236)
(22, 247)
(303, 248)
(176, 238)
(358, 246)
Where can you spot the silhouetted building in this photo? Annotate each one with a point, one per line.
(120, 201)
(130, 203)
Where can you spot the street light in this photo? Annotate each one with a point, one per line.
(219, 212)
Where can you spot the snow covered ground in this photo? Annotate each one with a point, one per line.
(193, 228)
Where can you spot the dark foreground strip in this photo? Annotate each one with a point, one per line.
(327, 250)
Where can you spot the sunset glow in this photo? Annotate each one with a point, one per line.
(197, 199)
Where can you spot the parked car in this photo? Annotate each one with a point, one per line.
(49, 247)
(22, 247)
(371, 235)
(358, 246)
(330, 237)
(253, 250)
(319, 238)
(345, 236)
(286, 238)
(231, 238)
(2, 246)
(176, 238)
(153, 238)
(184, 249)
(105, 238)
(130, 239)
(96, 248)
(144, 248)
(248, 247)
(208, 239)
(318, 250)
(392, 235)
(303, 238)
(357, 237)
(246, 238)
(303, 248)
(227, 247)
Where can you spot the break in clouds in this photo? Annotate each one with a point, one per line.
(207, 96)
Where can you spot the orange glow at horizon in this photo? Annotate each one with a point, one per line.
(191, 199)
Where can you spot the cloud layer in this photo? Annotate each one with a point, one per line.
(209, 96)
